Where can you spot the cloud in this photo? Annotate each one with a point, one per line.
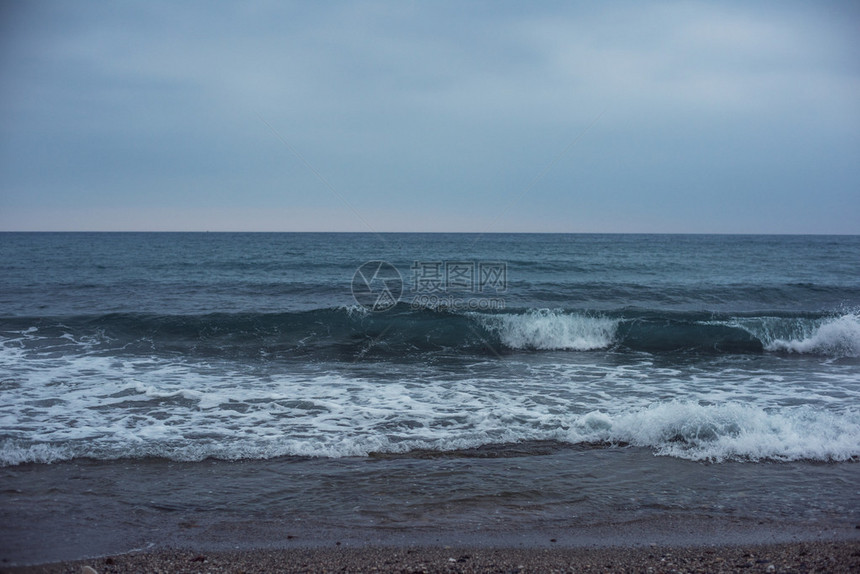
(413, 110)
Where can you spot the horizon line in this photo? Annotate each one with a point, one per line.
(726, 233)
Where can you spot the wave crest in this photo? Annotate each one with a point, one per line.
(546, 329)
(731, 431)
(679, 429)
(838, 337)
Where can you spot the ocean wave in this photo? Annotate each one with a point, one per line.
(730, 431)
(13, 453)
(837, 337)
(115, 411)
(832, 336)
(547, 329)
(347, 333)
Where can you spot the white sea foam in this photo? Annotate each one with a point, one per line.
(546, 329)
(836, 337)
(174, 411)
(58, 407)
(679, 429)
(731, 431)
(13, 453)
(356, 310)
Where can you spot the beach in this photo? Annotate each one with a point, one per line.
(790, 557)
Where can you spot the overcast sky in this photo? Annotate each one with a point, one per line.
(721, 117)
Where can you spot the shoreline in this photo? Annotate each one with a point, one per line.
(563, 498)
(84, 539)
(705, 544)
(823, 556)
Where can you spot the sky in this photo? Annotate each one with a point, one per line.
(497, 116)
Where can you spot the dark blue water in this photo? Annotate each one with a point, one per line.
(364, 355)
(60, 274)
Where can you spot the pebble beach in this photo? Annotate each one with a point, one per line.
(843, 556)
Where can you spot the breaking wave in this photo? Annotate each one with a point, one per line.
(546, 329)
(350, 331)
(318, 428)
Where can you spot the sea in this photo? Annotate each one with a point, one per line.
(244, 390)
